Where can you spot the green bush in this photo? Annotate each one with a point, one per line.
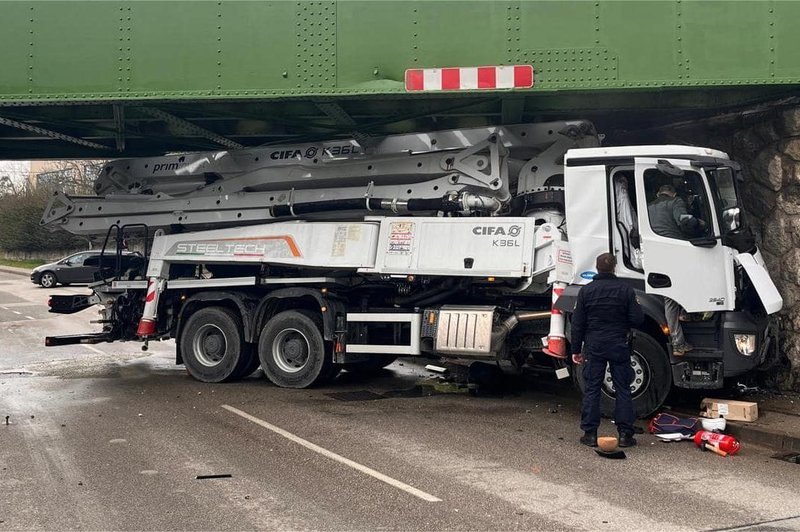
(20, 229)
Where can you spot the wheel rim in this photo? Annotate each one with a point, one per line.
(210, 345)
(641, 376)
(291, 350)
(47, 280)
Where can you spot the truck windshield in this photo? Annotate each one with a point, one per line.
(723, 187)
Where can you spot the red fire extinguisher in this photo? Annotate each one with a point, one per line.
(714, 440)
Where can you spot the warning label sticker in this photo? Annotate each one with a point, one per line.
(401, 236)
(339, 241)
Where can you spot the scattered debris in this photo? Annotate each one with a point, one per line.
(718, 442)
(356, 395)
(743, 388)
(206, 477)
(792, 458)
(614, 455)
(437, 369)
(80, 483)
(730, 410)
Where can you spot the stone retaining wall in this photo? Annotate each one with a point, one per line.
(768, 147)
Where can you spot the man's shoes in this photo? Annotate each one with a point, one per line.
(680, 350)
(589, 438)
(627, 440)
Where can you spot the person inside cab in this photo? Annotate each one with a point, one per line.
(670, 217)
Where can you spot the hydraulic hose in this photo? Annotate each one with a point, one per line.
(395, 205)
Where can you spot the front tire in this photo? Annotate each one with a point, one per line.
(293, 351)
(48, 280)
(213, 347)
(652, 378)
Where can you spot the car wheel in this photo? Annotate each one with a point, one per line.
(293, 351)
(48, 280)
(652, 379)
(213, 346)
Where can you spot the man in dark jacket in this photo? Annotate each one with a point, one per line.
(604, 314)
(670, 217)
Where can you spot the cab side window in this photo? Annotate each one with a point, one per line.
(677, 207)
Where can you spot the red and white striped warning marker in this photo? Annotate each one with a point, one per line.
(469, 78)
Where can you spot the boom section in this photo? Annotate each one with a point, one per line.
(468, 171)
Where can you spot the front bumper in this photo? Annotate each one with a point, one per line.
(35, 277)
(715, 356)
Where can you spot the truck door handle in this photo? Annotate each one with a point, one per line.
(659, 280)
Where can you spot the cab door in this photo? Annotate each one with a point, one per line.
(683, 256)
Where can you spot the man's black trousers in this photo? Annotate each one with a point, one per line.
(618, 357)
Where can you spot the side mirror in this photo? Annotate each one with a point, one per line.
(731, 219)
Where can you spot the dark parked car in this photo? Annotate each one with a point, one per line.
(82, 267)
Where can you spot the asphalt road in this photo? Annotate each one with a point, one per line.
(109, 437)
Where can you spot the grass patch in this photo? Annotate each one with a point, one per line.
(27, 264)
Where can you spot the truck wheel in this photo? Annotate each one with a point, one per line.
(373, 365)
(293, 352)
(213, 346)
(252, 362)
(652, 378)
(48, 280)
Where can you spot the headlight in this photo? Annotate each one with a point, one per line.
(745, 343)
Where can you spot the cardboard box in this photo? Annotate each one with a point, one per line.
(730, 410)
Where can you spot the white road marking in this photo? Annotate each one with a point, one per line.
(30, 317)
(93, 348)
(16, 312)
(333, 456)
(4, 308)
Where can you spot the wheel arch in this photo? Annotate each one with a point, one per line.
(297, 299)
(654, 318)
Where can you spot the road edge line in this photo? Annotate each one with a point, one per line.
(333, 456)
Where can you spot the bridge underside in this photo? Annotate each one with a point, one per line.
(111, 78)
(89, 130)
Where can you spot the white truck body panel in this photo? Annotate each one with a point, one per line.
(474, 247)
(317, 244)
(586, 196)
(701, 278)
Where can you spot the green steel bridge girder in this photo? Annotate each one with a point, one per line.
(106, 78)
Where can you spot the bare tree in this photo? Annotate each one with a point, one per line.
(70, 176)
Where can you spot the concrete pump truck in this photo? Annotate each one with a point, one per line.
(463, 244)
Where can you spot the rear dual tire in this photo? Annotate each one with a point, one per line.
(213, 346)
(293, 351)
